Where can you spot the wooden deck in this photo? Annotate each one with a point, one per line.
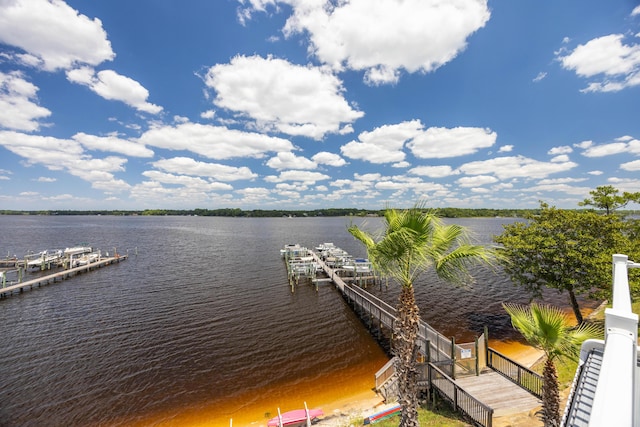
(59, 276)
(496, 391)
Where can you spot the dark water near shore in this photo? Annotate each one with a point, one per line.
(200, 326)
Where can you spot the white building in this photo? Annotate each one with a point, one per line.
(606, 388)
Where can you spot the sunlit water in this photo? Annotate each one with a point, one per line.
(201, 326)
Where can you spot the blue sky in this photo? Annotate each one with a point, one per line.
(304, 104)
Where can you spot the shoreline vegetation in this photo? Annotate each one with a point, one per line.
(261, 213)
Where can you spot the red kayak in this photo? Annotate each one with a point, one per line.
(295, 418)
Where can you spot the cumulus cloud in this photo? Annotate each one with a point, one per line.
(113, 86)
(383, 144)
(622, 145)
(616, 64)
(515, 167)
(112, 144)
(433, 171)
(53, 34)
(631, 166)
(438, 143)
(189, 166)
(282, 97)
(390, 35)
(215, 142)
(193, 183)
(288, 160)
(475, 181)
(565, 149)
(66, 155)
(305, 177)
(19, 109)
(330, 159)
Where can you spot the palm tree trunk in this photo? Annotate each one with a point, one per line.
(404, 347)
(550, 395)
(575, 306)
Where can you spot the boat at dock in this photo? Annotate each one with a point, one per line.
(44, 258)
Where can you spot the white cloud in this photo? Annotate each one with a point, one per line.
(386, 36)
(112, 144)
(514, 167)
(66, 155)
(565, 149)
(288, 160)
(113, 86)
(19, 109)
(560, 181)
(433, 171)
(584, 144)
(330, 159)
(209, 114)
(189, 166)
(635, 11)
(438, 143)
(282, 97)
(541, 75)
(383, 144)
(305, 177)
(54, 33)
(475, 181)
(215, 142)
(193, 183)
(617, 63)
(46, 179)
(595, 173)
(505, 149)
(562, 158)
(609, 149)
(631, 166)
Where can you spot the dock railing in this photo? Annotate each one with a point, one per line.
(459, 398)
(524, 377)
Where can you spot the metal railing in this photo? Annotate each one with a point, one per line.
(440, 346)
(524, 377)
(460, 399)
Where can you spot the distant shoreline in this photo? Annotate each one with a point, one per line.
(275, 213)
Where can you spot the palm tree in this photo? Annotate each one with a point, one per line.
(412, 242)
(547, 328)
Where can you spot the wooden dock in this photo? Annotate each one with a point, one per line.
(59, 276)
(503, 396)
(486, 392)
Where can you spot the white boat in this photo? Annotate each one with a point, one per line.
(45, 258)
(77, 250)
(85, 259)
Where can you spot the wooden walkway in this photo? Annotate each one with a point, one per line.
(59, 276)
(501, 394)
(490, 389)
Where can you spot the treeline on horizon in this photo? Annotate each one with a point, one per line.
(261, 213)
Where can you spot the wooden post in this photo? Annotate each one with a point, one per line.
(453, 358)
(486, 345)
(477, 359)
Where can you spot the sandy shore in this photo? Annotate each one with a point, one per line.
(346, 411)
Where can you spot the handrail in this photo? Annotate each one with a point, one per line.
(425, 332)
(461, 400)
(385, 373)
(512, 370)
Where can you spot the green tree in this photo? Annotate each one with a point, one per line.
(608, 198)
(547, 328)
(412, 242)
(566, 250)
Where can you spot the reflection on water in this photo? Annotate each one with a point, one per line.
(201, 325)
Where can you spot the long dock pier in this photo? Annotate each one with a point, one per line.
(469, 376)
(59, 276)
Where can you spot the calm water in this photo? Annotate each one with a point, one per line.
(200, 326)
